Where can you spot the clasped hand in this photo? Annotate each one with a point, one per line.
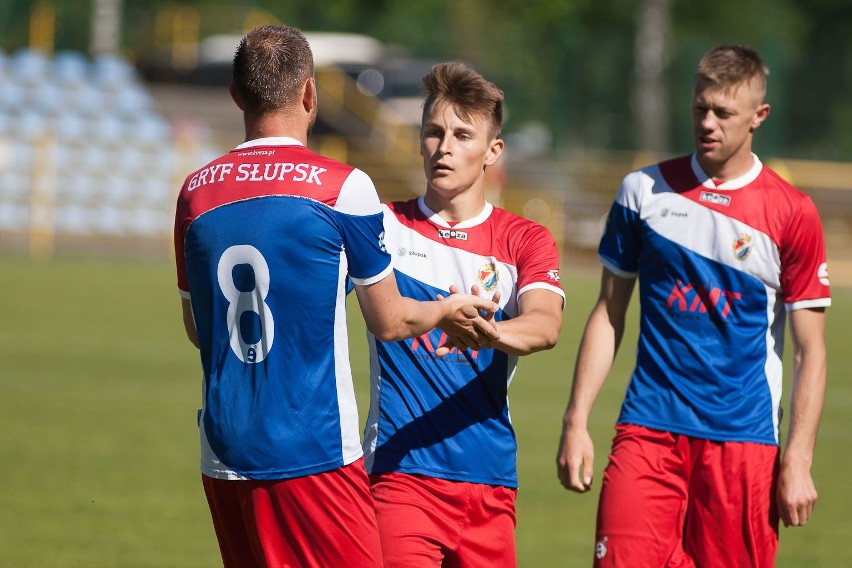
(471, 322)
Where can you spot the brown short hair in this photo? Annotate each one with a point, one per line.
(270, 66)
(471, 94)
(730, 65)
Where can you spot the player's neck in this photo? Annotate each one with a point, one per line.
(269, 126)
(734, 167)
(456, 208)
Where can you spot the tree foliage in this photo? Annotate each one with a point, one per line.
(565, 63)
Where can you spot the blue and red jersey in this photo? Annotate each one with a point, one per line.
(448, 417)
(718, 267)
(265, 237)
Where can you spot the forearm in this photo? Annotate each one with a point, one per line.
(599, 345)
(797, 493)
(392, 317)
(411, 319)
(807, 329)
(806, 402)
(594, 362)
(528, 333)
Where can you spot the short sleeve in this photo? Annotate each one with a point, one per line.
(804, 269)
(621, 243)
(538, 263)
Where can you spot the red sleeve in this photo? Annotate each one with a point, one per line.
(804, 269)
(182, 221)
(538, 261)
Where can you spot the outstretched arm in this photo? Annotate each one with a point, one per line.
(391, 317)
(601, 338)
(797, 494)
(536, 327)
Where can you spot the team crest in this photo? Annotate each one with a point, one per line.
(742, 246)
(488, 276)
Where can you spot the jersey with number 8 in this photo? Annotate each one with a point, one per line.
(250, 301)
(265, 261)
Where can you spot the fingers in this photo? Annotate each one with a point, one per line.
(588, 472)
(486, 330)
(574, 477)
(796, 515)
(575, 461)
(455, 343)
(579, 476)
(797, 495)
(489, 307)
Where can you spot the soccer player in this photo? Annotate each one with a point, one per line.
(724, 250)
(265, 238)
(439, 443)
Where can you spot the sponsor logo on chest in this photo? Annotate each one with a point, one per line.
(715, 198)
(452, 234)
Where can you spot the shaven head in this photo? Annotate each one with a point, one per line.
(730, 66)
(270, 67)
(468, 92)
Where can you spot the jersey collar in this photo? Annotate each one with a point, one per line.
(466, 224)
(271, 141)
(735, 183)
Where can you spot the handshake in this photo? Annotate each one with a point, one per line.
(469, 321)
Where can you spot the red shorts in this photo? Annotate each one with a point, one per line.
(669, 500)
(429, 522)
(320, 520)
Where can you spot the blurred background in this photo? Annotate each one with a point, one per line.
(106, 105)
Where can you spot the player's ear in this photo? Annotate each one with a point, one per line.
(233, 90)
(309, 95)
(495, 150)
(760, 115)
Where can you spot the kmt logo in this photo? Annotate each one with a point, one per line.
(694, 298)
(425, 341)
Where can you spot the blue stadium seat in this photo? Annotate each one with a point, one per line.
(73, 218)
(14, 217)
(70, 68)
(112, 71)
(14, 186)
(109, 220)
(71, 129)
(29, 66)
(13, 96)
(76, 189)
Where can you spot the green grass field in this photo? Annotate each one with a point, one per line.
(98, 395)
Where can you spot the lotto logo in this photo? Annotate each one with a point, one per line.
(822, 274)
(600, 548)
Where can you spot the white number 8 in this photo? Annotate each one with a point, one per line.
(253, 300)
